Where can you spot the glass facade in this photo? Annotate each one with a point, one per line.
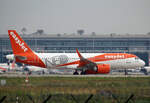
(88, 44)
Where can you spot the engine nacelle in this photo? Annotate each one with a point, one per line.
(103, 68)
(99, 69)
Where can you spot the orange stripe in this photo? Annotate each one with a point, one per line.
(101, 58)
(32, 59)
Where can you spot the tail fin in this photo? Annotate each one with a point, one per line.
(17, 43)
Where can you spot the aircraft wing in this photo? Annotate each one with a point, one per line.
(83, 63)
(89, 66)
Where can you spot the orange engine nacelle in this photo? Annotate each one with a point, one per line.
(101, 69)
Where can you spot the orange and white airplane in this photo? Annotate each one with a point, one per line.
(2, 69)
(87, 63)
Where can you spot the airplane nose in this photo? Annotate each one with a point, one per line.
(142, 63)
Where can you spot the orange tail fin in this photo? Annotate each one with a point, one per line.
(18, 45)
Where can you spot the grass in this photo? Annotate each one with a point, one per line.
(81, 87)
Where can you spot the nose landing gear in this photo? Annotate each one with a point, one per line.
(125, 72)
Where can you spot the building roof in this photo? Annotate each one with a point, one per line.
(81, 36)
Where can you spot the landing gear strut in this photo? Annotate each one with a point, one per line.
(82, 73)
(126, 72)
(76, 73)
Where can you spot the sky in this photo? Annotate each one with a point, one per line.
(67, 16)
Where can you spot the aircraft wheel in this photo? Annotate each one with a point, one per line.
(126, 72)
(75, 73)
(82, 73)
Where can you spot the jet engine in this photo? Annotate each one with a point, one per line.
(99, 69)
(103, 68)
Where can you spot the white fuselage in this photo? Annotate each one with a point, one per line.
(53, 59)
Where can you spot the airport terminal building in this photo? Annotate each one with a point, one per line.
(138, 44)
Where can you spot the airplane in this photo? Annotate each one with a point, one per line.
(9, 67)
(2, 69)
(85, 63)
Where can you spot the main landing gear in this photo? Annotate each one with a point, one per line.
(76, 73)
(81, 73)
